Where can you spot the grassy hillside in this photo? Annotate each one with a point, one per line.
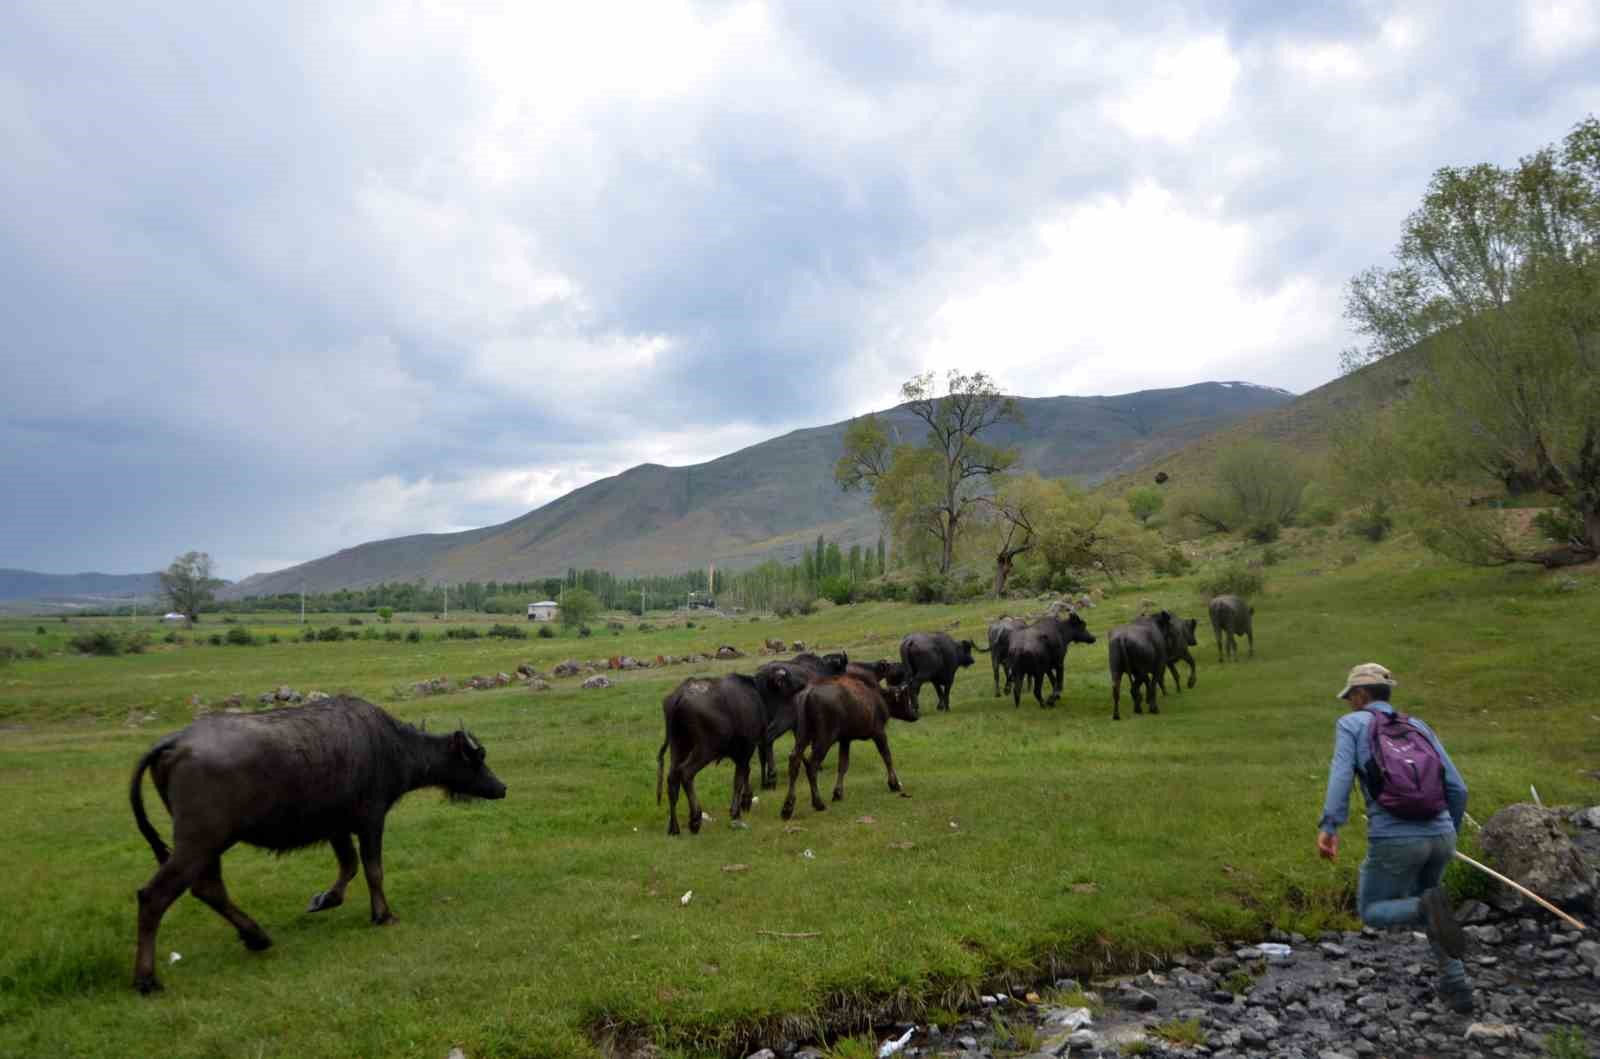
(1305, 425)
(769, 500)
(1033, 841)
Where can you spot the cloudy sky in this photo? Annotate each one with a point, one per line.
(279, 278)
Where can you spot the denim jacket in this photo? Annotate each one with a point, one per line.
(1352, 753)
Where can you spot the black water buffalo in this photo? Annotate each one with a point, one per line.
(882, 671)
(284, 780)
(933, 658)
(810, 666)
(1232, 615)
(1000, 631)
(711, 718)
(842, 710)
(1139, 649)
(1039, 650)
(1180, 637)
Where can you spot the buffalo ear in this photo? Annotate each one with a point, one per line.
(458, 741)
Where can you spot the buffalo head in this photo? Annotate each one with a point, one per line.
(902, 707)
(835, 664)
(465, 773)
(964, 653)
(1187, 625)
(1077, 630)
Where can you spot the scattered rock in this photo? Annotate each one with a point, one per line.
(798, 645)
(568, 668)
(526, 671)
(1529, 844)
(538, 684)
(317, 696)
(729, 651)
(597, 681)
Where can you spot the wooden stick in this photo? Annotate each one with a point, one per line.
(1523, 890)
(785, 934)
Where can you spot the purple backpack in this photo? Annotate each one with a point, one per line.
(1405, 774)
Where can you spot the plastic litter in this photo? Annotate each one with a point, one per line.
(808, 855)
(1070, 1018)
(687, 894)
(175, 957)
(1274, 950)
(889, 1047)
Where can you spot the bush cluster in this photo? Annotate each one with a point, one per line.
(462, 632)
(508, 632)
(1172, 563)
(107, 642)
(545, 633)
(1232, 579)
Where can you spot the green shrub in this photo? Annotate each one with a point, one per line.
(1270, 556)
(1066, 582)
(413, 635)
(393, 635)
(240, 636)
(930, 588)
(1371, 522)
(308, 635)
(614, 626)
(1232, 579)
(385, 614)
(371, 633)
(462, 632)
(272, 638)
(171, 637)
(584, 630)
(1560, 524)
(835, 589)
(96, 642)
(645, 626)
(784, 609)
(686, 625)
(39, 629)
(1172, 563)
(508, 632)
(546, 633)
(8, 653)
(215, 639)
(1263, 532)
(34, 651)
(1568, 1042)
(332, 634)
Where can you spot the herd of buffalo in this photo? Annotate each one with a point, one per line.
(330, 772)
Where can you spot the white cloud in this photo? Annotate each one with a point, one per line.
(1179, 90)
(1560, 28)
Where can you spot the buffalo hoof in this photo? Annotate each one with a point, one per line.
(325, 900)
(788, 809)
(819, 805)
(1191, 682)
(838, 796)
(672, 828)
(146, 984)
(257, 942)
(388, 919)
(694, 824)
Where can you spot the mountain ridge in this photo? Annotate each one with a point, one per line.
(767, 500)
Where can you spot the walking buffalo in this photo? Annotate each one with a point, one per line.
(1000, 631)
(842, 710)
(284, 780)
(1180, 637)
(810, 666)
(933, 658)
(708, 719)
(1139, 650)
(1231, 615)
(1039, 650)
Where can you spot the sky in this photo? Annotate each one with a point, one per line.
(280, 278)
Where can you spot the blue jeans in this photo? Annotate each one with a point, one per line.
(1395, 873)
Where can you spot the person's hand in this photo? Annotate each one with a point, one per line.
(1327, 846)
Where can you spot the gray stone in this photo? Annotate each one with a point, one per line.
(597, 681)
(1486, 935)
(1333, 951)
(1491, 1031)
(1529, 844)
(765, 1053)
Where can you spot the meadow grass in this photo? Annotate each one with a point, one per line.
(553, 922)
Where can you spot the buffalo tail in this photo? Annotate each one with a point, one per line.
(136, 799)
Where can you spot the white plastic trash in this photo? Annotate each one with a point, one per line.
(888, 1048)
(1070, 1018)
(687, 895)
(175, 957)
(1274, 950)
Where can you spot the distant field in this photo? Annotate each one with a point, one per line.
(531, 927)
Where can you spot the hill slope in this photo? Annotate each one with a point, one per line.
(25, 584)
(768, 500)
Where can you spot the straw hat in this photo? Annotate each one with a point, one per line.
(1367, 674)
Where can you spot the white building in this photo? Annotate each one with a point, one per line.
(544, 611)
(174, 616)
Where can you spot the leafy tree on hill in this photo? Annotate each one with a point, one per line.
(927, 491)
(1496, 285)
(1144, 503)
(1256, 487)
(579, 606)
(188, 583)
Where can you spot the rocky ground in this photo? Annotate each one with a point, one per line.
(1339, 995)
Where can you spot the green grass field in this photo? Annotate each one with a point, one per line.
(1033, 841)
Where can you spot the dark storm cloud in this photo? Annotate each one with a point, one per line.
(281, 279)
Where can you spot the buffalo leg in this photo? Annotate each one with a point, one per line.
(844, 766)
(1216, 630)
(333, 896)
(372, 866)
(1038, 686)
(1150, 689)
(741, 788)
(1015, 681)
(769, 770)
(1177, 682)
(1058, 677)
(1116, 695)
(819, 752)
(881, 740)
(165, 886)
(209, 888)
(995, 665)
(1190, 661)
(1251, 636)
(944, 695)
(794, 774)
(1135, 682)
(674, 784)
(916, 692)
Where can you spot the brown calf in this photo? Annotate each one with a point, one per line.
(841, 710)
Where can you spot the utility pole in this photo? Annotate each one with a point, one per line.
(447, 601)
(302, 603)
